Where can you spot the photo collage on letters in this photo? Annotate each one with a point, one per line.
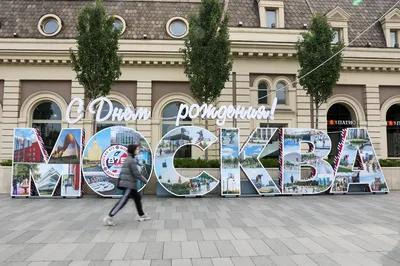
(357, 163)
(229, 158)
(305, 172)
(104, 155)
(168, 177)
(35, 173)
(262, 142)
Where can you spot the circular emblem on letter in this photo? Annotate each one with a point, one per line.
(112, 160)
(105, 154)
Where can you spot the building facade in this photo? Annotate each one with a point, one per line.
(37, 82)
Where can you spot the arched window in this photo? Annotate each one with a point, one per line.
(263, 93)
(47, 119)
(281, 93)
(339, 117)
(109, 122)
(168, 123)
(393, 130)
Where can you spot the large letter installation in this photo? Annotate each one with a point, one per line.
(262, 142)
(296, 180)
(104, 155)
(37, 174)
(166, 174)
(356, 148)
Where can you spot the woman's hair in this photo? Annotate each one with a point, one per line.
(132, 148)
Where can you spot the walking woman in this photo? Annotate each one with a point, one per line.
(128, 182)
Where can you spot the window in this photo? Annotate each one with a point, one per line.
(47, 119)
(168, 124)
(263, 93)
(119, 23)
(49, 25)
(177, 27)
(109, 123)
(393, 130)
(281, 93)
(271, 18)
(394, 41)
(336, 36)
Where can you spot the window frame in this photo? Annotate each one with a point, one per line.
(172, 20)
(46, 18)
(267, 90)
(46, 121)
(285, 91)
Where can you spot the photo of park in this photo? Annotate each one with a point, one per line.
(67, 149)
(230, 170)
(20, 183)
(251, 165)
(164, 168)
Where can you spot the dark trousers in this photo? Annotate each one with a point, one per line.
(122, 201)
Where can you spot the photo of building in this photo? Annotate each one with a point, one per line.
(37, 82)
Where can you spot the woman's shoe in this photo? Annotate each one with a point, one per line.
(108, 220)
(144, 217)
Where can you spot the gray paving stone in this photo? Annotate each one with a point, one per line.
(140, 262)
(302, 260)
(81, 252)
(222, 262)
(194, 235)
(181, 262)
(117, 252)
(79, 263)
(208, 249)
(261, 247)
(283, 260)
(263, 261)
(133, 235)
(202, 262)
(278, 247)
(178, 235)
(161, 262)
(226, 249)
(62, 252)
(100, 263)
(190, 250)
(154, 251)
(172, 250)
(60, 263)
(322, 260)
(99, 251)
(11, 251)
(148, 236)
(44, 252)
(135, 251)
(239, 261)
(295, 246)
(243, 248)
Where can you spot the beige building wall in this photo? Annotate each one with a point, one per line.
(154, 79)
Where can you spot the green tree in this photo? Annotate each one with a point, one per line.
(97, 63)
(320, 62)
(207, 59)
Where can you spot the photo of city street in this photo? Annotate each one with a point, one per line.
(27, 148)
(47, 177)
(165, 171)
(296, 178)
(358, 163)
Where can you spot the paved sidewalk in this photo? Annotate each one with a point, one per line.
(212, 231)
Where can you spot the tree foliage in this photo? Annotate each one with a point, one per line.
(313, 49)
(207, 60)
(96, 63)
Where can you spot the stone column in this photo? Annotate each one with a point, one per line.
(143, 100)
(373, 116)
(243, 99)
(11, 105)
(77, 91)
(303, 108)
